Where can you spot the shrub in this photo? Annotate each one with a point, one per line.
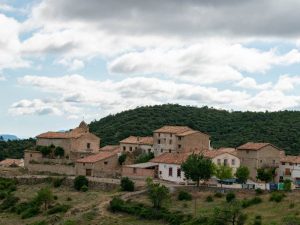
(276, 196)
(287, 185)
(122, 158)
(9, 202)
(259, 191)
(230, 197)
(70, 222)
(291, 220)
(219, 195)
(30, 212)
(257, 220)
(127, 184)
(59, 151)
(84, 188)
(292, 205)
(57, 182)
(69, 199)
(116, 204)
(144, 157)
(209, 198)
(58, 208)
(253, 201)
(183, 195)
(80, 181)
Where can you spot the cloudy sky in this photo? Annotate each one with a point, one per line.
(64, 60)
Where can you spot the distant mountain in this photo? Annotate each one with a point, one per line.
(6, 137)
(228, 129)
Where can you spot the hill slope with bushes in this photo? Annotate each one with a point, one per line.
(228, 129)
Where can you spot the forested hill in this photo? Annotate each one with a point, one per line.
(228, 129)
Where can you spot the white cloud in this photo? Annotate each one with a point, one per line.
(6, 8)
(250, 83)
(72, 65)
(287, 83)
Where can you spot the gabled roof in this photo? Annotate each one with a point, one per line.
(214, 153)
(75, 133)
(171, 158)
(290, 159)
(254, 146)
(173, 129)
(138, 140)
(97, 157)
(110, 148)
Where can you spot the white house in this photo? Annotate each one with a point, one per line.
(289, 168)
(169, 164)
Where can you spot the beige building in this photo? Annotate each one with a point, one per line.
(133, 143)
(258, 155)
(103, 164)
(76, 143)
(176, 139)
(224, 156)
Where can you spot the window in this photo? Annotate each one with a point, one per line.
(170, 142)
(130, 149)
(283, 163)
(233, 162)
(105, 163)
(88, 145)
(134, 170)
(170, 150)
(161, 150)
(179, 138)
(170, 171)
(158, 134)
(291, 164)
(149, 150)
(225, 162)
(135, 148)
(158, 141)
(219, 161)
(170, 135)
(30, 155)
(83, 164)
(178, 172)
(179, 146)
(160, 172)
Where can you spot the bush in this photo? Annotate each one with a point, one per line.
(80, 181)
(259, 191)
(9, 202)
(230, 197)
(219, 195)
(127, 184)
(59, 151)
(57, 182)
(69, 199)
(58, 208)
(144, 157)
(184, 196)
(209, 198)
(276, 196)
(291, 220)
(30, 212)
(287, 185)
(292, 205)
(257, 220)
(122, 158)
(254, 201)
(84, 188)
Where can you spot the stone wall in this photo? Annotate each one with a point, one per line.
(56, 169)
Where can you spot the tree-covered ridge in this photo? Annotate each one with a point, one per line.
(15, 149)
(229, 129)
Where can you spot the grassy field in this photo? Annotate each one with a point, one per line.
(91, 207)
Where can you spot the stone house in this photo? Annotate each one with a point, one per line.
(289, 169)
(141, 170)
(258, 155)
(102, 164)
(133, 143)
(176, 139)
(12, 163)
(76, 143)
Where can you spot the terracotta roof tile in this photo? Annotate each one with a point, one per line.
(138, 140)
(253, 146)
(97, 157)
(171, 158)
(110, 148)
(173, 129)
(290, 159)
(214, 153)
(10, 162)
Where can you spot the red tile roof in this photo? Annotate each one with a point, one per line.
(138, 140)
(171, 158)
(110, 148)
(290, 159)
(253, 146)
(214, 153)
(97, 157)
(173, 129)
(10, 162)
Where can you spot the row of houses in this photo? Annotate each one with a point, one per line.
(171, 146)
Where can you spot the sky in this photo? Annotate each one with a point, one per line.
(62, 61)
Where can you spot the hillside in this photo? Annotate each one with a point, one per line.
(6, 137)
(15, 148)
(226, 128)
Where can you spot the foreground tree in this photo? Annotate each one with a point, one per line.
(223, 172)
(265, 175)
(242, 174)
(197, 168)
(45, 197)
(157, 193)
(80, 181)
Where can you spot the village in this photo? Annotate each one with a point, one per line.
(77, 152)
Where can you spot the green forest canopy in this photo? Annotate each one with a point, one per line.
(227, 129)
